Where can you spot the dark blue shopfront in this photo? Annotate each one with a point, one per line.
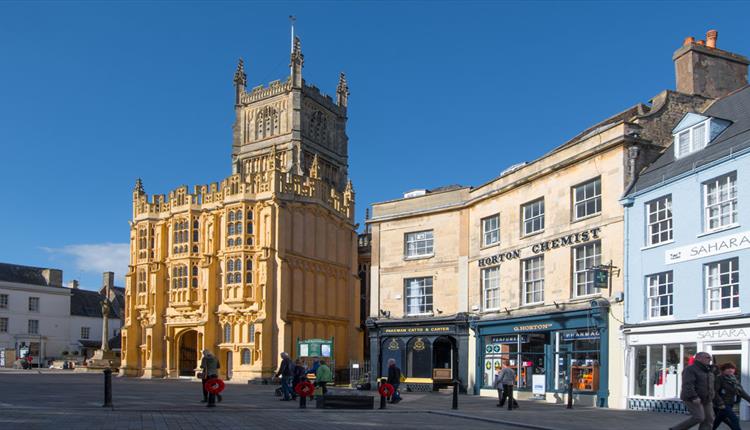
(548, 352)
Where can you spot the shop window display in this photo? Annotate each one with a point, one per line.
(577, 359)
(658, 369)
(523, 352)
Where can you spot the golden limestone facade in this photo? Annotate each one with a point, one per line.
(268, 256)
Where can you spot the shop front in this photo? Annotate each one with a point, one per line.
(431, 353)
(548, 352)
(657, 354)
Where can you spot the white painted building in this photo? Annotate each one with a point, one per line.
(41, 318)
(34, 312)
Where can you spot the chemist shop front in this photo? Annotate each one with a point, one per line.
(547, 352)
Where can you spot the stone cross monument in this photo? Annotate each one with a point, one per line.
(104, 358)
(105, 324)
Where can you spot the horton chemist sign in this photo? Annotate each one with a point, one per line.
(315, 348)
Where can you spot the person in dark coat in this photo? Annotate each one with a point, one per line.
(698, 385)
(209, 370)
(394, 378)
(728, 392)
(298, 376)
(285, 375)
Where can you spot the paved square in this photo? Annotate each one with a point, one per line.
(57, 400)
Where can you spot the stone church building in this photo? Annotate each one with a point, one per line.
(248, 267)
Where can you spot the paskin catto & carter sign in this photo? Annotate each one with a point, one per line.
(538, 248)
(708, 248)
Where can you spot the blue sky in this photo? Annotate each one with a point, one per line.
(96, 94)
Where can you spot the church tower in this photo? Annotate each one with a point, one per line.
(294, 119)
(268, 256)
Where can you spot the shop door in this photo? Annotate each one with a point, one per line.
(728, 353)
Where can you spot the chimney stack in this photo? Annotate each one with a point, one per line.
(73, 285)
(711, 36)
(703, 69)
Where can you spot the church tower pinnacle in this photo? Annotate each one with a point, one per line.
(295, 65)
(240, 81)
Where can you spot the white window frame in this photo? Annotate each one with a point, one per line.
(491, 288)
(4, 299)
(691, 134)
(654, 285)
(422, 247)
(4, 323)
(661, 210)
(713, 284)
(412, 284)
(37, 302)
(490, 232)
(532, 282)
(585, 271)
(36, 328)
(535, 213)
(85, 333)
(729, 203)
(596, 198)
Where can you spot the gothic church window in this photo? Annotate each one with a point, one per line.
(227, 333)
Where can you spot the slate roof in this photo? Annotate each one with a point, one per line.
(734, 107)
(22, 274)
(86, 303)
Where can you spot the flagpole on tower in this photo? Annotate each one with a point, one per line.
(292, 19)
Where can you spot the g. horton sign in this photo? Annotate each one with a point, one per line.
(417, 330)
(538, 248)
(708, 248)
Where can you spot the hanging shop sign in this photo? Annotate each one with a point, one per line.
(538, 248)
(721, 245)
(601, 278)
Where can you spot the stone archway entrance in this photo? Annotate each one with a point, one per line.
(188, 353)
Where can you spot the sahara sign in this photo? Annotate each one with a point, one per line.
(708, 248)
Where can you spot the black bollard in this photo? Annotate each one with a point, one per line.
(570, 394)
(107, 388)
(302, 401)
(455, 394)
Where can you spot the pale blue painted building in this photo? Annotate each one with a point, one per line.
(687, 255)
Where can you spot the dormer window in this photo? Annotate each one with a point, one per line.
(691, 140)
(695, 132)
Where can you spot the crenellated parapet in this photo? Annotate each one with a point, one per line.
(262, 92)
(324, 99)
(269, 184)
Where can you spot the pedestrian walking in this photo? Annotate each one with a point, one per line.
(297, 376)
(728, 392)
(698, 388)
(394, 378)
(323, 376)
(498, 386)
(209, 370)
(285, 375)
(507, 378)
